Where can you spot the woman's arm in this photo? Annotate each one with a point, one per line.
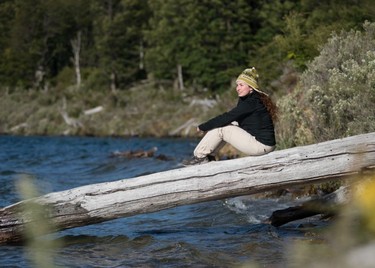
(242, 109)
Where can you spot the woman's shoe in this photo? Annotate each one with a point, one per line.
(198, 161)
(195, 161)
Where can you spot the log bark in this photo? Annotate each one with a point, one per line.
(212, 181)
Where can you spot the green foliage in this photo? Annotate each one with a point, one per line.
(126, 41)
(211, 48)
(266, 54)
(64, 79)
(336, 94)
(96, 79)
(39, 36)
(6, 15)
(118, 37)
(294, 31)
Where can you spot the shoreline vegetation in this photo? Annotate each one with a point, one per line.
(333, 98)
(145, 110)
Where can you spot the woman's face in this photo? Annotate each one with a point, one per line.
(243, 89)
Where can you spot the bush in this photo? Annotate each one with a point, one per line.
(336, 94)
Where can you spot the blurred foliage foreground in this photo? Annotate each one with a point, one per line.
(350, 240)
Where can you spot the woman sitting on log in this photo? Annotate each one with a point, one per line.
(248, 127)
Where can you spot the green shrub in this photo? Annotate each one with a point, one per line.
(65, 78)
(336, 94)
(95, 79)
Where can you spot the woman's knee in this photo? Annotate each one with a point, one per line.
(262, 149)
(229, 132)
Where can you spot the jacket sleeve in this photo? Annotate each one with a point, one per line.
(242, 109)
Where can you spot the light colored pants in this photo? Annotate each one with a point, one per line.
(243, 141)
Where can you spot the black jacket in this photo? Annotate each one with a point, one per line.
(251, 115)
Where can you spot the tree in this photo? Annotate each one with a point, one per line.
(39, 39)
(118, 30)
(23, 44)
(167, 37)
(208, 40)
(7, 11)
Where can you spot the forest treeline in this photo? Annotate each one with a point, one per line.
(112, 44)
(160, 67)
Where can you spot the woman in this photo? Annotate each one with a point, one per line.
(248, 127)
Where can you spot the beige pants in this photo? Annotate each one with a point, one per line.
(243, 141)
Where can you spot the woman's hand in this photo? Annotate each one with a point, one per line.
(199, 131)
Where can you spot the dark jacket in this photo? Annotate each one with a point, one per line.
(251, 115)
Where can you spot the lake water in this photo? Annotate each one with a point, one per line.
(223, 233)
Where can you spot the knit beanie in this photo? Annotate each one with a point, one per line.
(250, 77)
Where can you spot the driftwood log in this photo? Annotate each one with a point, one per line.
(212, 181)
(325, 205)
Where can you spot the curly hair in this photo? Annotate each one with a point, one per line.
(270, 105)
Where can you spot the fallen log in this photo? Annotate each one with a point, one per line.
(212, 181)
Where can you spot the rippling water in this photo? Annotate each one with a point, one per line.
(221, 233)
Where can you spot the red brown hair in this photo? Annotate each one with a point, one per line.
(270, 106)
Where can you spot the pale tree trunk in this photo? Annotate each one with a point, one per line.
(39, 76)
(113, 82)
(40, 71)
(101, 202)
(180, 77)
(141, 56)
(76, 45)
(112, 76)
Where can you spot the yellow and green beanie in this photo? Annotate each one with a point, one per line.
(250, 77)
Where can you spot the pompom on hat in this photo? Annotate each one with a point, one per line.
(250, 77)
